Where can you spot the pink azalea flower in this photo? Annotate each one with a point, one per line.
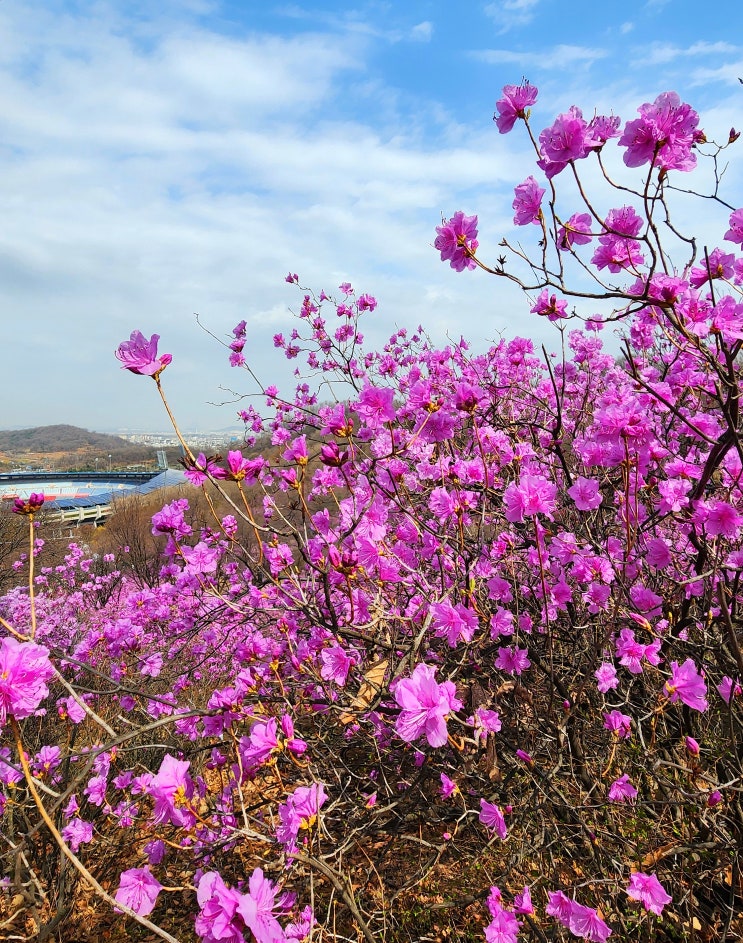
(586, 923)
(522, 902)
(622, 790)
(722, 519)
(714, 798)
(664, 134)
(585, 492)
(647, 889)
(24, 670)
(513, 103)
(172, 789)
(336, 663)
(531, 496)
(492, 818)
(692, 746)
(256, 909)
(618, 723)
(299, 812)
(455, 623)
(512, 659)
(200, 559)
(548, 306)
(687, 684)
(260, 745)
(425, 705)
(29, 505)
(217, 910)
(503, 928)
(728, 689)
(606, 676)
(448, 787)
(376, 405)
(456, 240)
(138, 889)
(575, 232)
(735, 233)
(559, 906)
(527, 202)
(617, 253)
(140, 355)
(77, 832)
(568, 138)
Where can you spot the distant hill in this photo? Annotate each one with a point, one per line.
(63, 438)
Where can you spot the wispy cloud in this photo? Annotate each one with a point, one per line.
(663, 53)
(511, 14)
(558, 57)
(422, 32)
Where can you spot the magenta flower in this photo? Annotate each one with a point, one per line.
(256, 909)
(663, 135)
(448, 787)
(585, 922)
(455, 623)
(728, 689)
(617, 253)
(714, 798)
(580, 920)
(531, 496)
(512, 659)
(217, 910)
(456, 240)
(606, 677)
(620, 724)
(647, 889)
(299, 812)
(376, 405)
(548, 306)
(263, 742)
(585, 492)
(492, 818)
(575, 232)
(24, 670)
(425, 705)
(559, 906)
(687, 684)
(735, 233)
(522, 902)
(172, 789)
(622, 790)
(77, 832)
(568, 138)
(138, 889)
(527, 202)
(29, 505)
(140, 355)
(512, 104)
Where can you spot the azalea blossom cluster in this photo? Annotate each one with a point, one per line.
(472, 600)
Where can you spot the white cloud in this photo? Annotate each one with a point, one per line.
(422, 32)
(511, 14)
(558, 57)
(154, 168)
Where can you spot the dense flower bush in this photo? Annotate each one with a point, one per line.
(484, 639)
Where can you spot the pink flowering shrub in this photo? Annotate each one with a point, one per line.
(485, 621)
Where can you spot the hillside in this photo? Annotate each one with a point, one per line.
(61, 438)
(70, 448)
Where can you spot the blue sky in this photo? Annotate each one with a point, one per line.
(159, 160)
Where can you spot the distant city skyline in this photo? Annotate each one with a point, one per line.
(161, 160)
